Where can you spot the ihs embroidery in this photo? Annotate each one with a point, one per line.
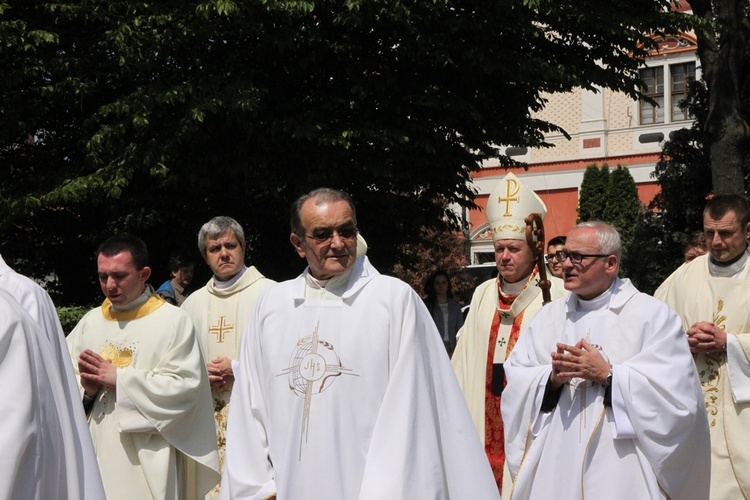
(313, 368)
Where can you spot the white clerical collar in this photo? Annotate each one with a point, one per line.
(142, 298)
(231, 281)
(332, 286)
(598, 302)
(515, 288)
(733, 270)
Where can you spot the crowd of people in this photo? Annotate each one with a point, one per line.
(345, 384)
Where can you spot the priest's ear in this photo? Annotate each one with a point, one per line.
(297, 244)
(145, 274)
(612, 264)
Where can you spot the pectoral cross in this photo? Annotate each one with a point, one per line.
(220, 329)
(501, 342)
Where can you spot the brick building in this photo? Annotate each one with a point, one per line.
(605, 127)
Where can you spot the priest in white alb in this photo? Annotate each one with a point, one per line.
(144, 385)
(602, 397)
(38, 304)
(345, 390)
(712, 296)
(221, 310)
(40, 442)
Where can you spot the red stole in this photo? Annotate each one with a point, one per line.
(494, 435)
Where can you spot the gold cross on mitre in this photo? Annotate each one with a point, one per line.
(508, 205)
(220, 328)
(513, 187)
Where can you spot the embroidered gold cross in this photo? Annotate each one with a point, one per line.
(220, 329)
(512, 192)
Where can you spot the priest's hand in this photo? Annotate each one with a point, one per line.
(582, 361)
(220, 371)
(705, 336)
(96, 372)
(555, 377)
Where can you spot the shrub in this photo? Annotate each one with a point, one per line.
(70, 316)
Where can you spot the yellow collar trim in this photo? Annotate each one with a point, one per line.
(152, 304)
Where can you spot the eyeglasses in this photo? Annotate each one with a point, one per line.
(551, 256)
(575, 257)
(323, 237)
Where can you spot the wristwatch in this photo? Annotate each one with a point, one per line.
(608, 380)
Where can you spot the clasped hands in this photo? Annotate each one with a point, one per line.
(581, 360)
(96, 372)
(220, 371)
(705, 336)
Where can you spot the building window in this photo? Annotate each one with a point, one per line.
(483, 257)
(654, 80)
(680, 75)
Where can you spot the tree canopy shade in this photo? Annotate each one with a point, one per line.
(437, 251)
(152, 117)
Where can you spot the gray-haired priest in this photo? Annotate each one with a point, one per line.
(603, 399)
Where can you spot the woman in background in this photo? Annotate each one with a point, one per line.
(445, 311)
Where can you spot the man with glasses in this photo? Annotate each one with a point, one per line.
(221, 310)
(345, 390)
(553, 263)
(500, 308)
(712, 296)
(602, 389)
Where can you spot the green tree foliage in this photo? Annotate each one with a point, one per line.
(723, 33)
(709, 158)
(684, 176)
(651, 255)
(152, 117)
(70, 316)
(612, 197)
(684, 171)
(623, 208)
(593, 194)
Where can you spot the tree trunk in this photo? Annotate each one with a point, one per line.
(721, 49)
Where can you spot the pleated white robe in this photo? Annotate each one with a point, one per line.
(39, 440)
(37, 303)
(350, 399)
(652, 443)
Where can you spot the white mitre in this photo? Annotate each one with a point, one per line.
(509, 204)
(361, 245)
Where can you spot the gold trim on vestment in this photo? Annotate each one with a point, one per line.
(152, 304)
(523, 459)
(586, 451)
